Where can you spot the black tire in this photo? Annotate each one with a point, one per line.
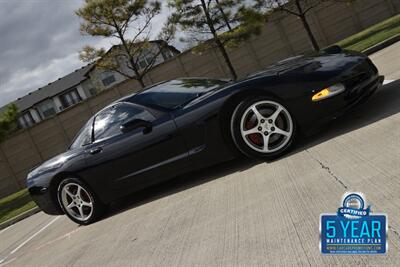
(98, 208)
(243, 146)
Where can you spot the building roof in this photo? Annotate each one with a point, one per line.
(120, 47)
(160, 42)
(52, 89)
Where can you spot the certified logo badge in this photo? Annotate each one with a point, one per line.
(353, 229)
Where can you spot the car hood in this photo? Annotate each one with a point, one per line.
(321, 63)
(51, 164)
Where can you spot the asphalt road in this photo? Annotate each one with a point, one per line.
(242, 212)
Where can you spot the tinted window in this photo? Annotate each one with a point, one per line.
(175, 93)
(84, 136)
(108, 122)
(107, 78)
(70, 98)
(47, 108)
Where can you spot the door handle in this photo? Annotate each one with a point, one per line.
(96, 150)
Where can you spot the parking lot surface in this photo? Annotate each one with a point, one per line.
(242, 212)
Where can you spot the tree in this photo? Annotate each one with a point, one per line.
(222, 5)
(130, 22)
(8, 121)
(241, 22)
(215, 19)
(298, 8)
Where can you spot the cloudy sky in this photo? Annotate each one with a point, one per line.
(40, 41)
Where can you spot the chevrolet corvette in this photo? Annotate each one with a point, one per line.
(181, 125)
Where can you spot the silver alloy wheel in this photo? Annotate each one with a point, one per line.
(77, 201)
(266, 126)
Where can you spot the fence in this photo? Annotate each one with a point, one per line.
(281, 37)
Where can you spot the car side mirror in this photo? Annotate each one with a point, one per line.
(136, 124)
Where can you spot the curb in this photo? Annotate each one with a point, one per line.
(382, 45)
(19, 217)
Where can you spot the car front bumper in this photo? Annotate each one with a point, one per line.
(45, 200)
(362, 93)
(328, 109)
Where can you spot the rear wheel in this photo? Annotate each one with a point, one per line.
(79, 202)
(262, 127)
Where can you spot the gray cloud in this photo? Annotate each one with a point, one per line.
(39, 43)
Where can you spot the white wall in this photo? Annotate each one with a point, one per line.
(35, 115)
(81, 92)
(57, 103)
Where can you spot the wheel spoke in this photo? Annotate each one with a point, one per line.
(78, 192)
(276, 113)
(87, 204)
(68, 192)
(250, 131)
(81, 211)
(281, 132)
(266, 143)
(257, 113)
(71, 205)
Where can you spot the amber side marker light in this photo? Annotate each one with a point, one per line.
(328, 92)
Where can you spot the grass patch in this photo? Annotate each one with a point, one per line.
(373, 35)
(15, 204)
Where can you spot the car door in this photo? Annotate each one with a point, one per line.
(120, 163)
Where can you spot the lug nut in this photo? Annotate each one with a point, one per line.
(265, 133)
(262, 121)
(270, 121)
(259, 128)
(272, 128)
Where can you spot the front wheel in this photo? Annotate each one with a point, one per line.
(79, 202)
(263, 128)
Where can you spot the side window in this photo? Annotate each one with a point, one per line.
(107, 123)
(107, 78)
(84, 137)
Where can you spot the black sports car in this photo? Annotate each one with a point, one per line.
(185, 124)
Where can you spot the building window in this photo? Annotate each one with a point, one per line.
(107, 78)
(69, 99)
(93, 91)
(145, 60)
(26, 120)
(167, 54)
(47, 109)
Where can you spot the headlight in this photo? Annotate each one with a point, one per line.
(328, 92)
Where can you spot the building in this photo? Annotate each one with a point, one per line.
(79, 85)
(158, 50)
(53, 98)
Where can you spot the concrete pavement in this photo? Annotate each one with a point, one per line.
(388, 61)
(242, 212)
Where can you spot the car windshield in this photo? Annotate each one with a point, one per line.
(176, 93)
(84, 137)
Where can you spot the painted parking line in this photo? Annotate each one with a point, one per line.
(35, 234)
(7, 262)
(67, 235)
(29, 239)
(388, 81)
